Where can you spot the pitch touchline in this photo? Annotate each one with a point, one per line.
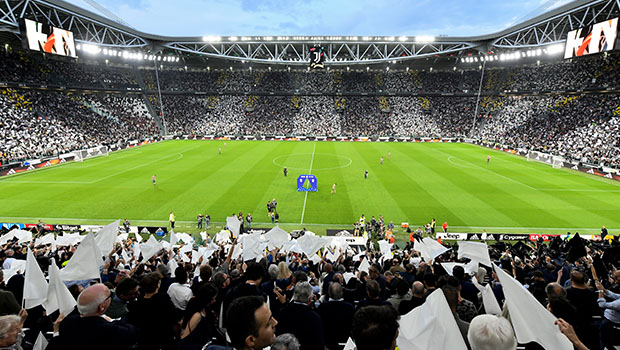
(307, 224)
(303, 211)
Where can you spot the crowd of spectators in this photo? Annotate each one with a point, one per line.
(190, 294)
(578, 127)
(17, 66)
(43, 123)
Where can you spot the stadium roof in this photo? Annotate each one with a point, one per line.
(95, 32)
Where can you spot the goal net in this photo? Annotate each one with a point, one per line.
(558, 163)
(555, 161)
(90, 153)
(540, 157)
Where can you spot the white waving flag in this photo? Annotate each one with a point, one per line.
(41, 342)
(430, 326)
(173, 239)
(85, 262)
(47, 239)
(491, 306)
(35, 284)
(449, 266)
(233, 224)
(106, 237)
(531, 321)
(58, 295)
(475, 251)
(433, 248)
(150, 248)
(276, 237)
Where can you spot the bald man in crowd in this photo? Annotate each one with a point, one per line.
(93, 329)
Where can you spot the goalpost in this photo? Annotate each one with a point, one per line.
(558, 163)
(82, 154)
(546, 158)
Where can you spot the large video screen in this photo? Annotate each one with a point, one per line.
(45, 38)
(596, 38)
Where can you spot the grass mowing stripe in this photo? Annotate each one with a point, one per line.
(569, 205)
(448, 187)
(303, 211)
(416, 184)
(499, 194)
(490, 171)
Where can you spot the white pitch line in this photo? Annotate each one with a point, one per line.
(14, 218)
(303, 211)
(110, 159)
(141, 165)
(575, 190)
(487, 170)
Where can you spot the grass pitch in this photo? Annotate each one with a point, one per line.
(419, 181)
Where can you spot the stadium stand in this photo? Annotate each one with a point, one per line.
(205, 292)
(550, 123)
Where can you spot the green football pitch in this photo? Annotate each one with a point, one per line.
(419, 181)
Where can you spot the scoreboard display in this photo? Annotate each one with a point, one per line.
(317, 57)
(596, 38)
(42, 37)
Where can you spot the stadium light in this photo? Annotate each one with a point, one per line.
(424, 39)
(555, 49)
(211, 38)
(91, 49)
(402, 38)
(232, 38)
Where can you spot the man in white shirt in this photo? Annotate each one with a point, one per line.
(180, 292)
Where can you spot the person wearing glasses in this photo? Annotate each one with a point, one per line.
(92, 328)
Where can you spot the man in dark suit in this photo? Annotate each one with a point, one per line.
(375, 327)
(250, 324)
(336, 315)
(92, 329)
(418, 298)
(299, 319)
(373, 291)
(253, 277)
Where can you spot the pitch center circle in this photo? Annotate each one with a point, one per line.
(292, 164)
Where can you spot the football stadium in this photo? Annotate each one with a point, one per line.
(331, 175)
